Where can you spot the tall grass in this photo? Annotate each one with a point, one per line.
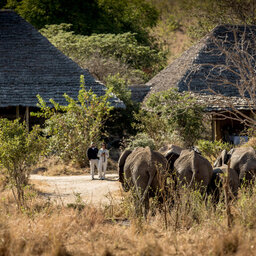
(194, 227)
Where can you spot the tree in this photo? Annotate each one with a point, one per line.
(122, 119)
(209, 13)
(128, 16)
(107, 54)
(71, 128)
(19, 150)
(91, 16)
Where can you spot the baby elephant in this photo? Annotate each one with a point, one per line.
(242, 160)
(216, 183)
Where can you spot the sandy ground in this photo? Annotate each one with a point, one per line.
(67, 189)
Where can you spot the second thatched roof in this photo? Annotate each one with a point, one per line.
(209, 68)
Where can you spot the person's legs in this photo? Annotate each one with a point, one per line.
(100, 169)
(104, 169)
(92, 168)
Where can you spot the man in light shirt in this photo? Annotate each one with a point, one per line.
(103, 156)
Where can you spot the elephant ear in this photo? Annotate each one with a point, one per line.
(171, 158)
(218, 162)
(224, 156)
(121, 163)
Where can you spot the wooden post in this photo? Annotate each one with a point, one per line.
(27, 117)
(17, 111)
(213, 129)
(227, 196)
(217, 130)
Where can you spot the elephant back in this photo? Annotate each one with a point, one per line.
(243, 161)
(158, 159)
(193, 168)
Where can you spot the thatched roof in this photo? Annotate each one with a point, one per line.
(205, 68)
(31, 65)
(139, 92)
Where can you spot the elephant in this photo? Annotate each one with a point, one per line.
(216, 182)
(172, 155)
(193, 169)
(144, 171)
(242, 160)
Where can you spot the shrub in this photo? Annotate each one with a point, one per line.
(19, 150)
(120, 88)
(212, 149)
(250, 143)
(71, 128)
(171, 112)
(141, 140)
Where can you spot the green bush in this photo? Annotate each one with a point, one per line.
(141, 140)
(120, 88)
(212, 149)
(71, 128)
(170, 112)
(19, 150)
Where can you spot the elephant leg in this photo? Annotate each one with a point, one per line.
(137, 206)
(245, 176)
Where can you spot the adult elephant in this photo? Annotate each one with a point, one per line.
(142, 170)
(216, 183)
(193, 169)
(242, 160)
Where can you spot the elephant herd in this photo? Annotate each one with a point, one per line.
(146, 171)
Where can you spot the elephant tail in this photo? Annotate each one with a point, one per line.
(147, 187)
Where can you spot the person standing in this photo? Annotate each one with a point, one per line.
(103, 155)
(92, 154)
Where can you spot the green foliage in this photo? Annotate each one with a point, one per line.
(153, 125)
(119, 87)
(71, 128)
(3, 4)
(212, 149)
(122, 119)
(141, 140)
(93, 16)
(138, 60)
(19, 149)
(209, 13)
(131, 15)
(174, 112)
(39, 13)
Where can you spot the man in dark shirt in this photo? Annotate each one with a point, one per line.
(92, 153)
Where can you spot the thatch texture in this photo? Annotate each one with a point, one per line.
(31, 65)
(208, 68)
(139, 92)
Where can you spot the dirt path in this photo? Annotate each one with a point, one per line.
(67, 189)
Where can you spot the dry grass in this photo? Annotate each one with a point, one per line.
(48, 229)
(251, 143)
